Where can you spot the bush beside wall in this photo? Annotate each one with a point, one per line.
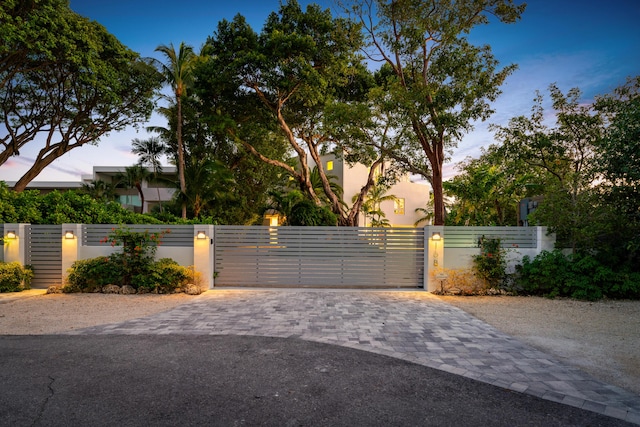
(580, 276)
(14, 277)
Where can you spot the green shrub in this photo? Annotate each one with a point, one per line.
(89, 275)
(59, 207)
(308, 213)
(138, 252)
(134, 266)
(168, 275)
(490, 265)
(14, 277)
(162, 276)
(580, 276)
(624, 284)
(544, 275)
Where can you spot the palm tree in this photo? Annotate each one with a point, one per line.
(283, 203)
(149, 152)
(177, 72)
(427, 211)
(133, 177)
(371, 206)
(205, 178)
(100, 190)
(316, 183)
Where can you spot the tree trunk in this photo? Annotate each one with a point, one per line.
(438, 196)
(159, 201)
(352, 218)
(22, 183)
(38, 166)
(305, 174)
(139, 188)
(336, 207)
(183, 185)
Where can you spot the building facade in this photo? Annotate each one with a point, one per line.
(408, 195)
(155, 191)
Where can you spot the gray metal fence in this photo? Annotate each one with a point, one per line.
(468, 237)
(349, 257)
(319, 256)
(172, 235)
(45, 254)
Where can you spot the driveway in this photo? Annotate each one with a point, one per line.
(303, 357)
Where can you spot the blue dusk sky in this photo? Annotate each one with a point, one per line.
(574, 43)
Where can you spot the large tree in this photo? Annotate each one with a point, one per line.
(283, 81)
(487, 190)
(565, 154)
(618, 157)
(177, 71)
(433, 81)
(64, 82)
(207, 142)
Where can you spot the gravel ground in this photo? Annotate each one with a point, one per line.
(41, 314)
(602, 338)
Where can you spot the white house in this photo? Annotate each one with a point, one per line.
(409, 195)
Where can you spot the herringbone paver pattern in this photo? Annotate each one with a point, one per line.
(410, 325)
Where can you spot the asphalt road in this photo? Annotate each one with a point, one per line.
(183, 380)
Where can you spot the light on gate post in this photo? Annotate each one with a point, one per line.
(435, 237)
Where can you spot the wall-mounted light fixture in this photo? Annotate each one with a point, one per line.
(11, 234)
(201, 235)
(68, 234)
(436, 237)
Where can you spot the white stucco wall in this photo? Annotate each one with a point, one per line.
(352, 178)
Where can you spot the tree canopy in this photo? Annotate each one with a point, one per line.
(433, 82)
(64, 82)
(565, 155)
(488, 189)
(294, 83)
(618, 160)
(584, 163)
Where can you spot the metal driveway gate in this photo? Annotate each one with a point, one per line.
(319, 256)
(44, 254)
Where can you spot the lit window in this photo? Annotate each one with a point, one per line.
(330, 165)
(398, 206)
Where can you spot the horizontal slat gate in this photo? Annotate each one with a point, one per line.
(45, 254)
(319, 256)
